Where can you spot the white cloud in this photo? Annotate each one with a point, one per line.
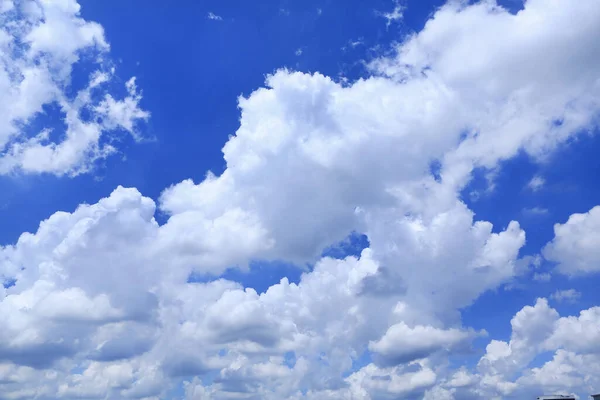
(536, 183)
(542, 276)
(397, 14)
(508, 369)
(122, 114)
(79, 268)
(372, 382)
(535, 211)
(570, 296)
(403, 344)
(214, 17)
(41, 42)
(530, 328)
(457, 49)
(576, 244)
(578, 334)
(353, 44)
(101, 304)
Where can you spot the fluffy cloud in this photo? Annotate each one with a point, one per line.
(402, 344)
(576, 244)
(41, 44)
(103, 292)
(525, 92)
(371, 382)
(512, 369)
(530, 328)
(73, 299)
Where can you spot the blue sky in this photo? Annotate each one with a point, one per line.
(321, 199)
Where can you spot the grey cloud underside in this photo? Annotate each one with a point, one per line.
(102, 291)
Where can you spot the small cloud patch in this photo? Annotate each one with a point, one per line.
(566, 296)
(214, 17)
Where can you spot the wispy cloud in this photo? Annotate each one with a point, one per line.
(535, 211)
(569, 296)
(536, 183)
(393, 16)
(354, 43)
(542, 277)
(214, 17)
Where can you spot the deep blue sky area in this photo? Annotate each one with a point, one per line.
(192, 69)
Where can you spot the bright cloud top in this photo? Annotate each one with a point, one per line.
(102, 308)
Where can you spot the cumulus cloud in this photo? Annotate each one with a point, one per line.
(571, 342)
(41, 44)
(530, 328)
(402, 344)
(576, 244)
(102, 292)
(75, 308)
